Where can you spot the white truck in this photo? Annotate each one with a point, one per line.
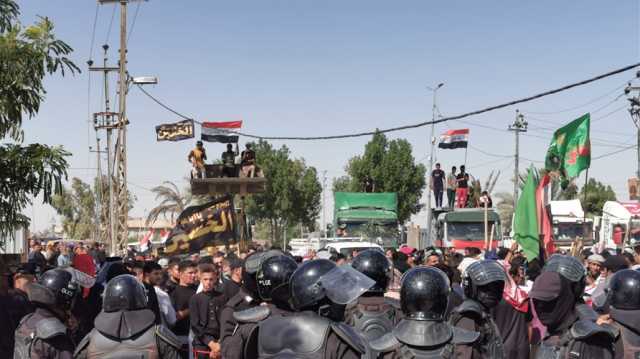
(568, 222)
(619, 224)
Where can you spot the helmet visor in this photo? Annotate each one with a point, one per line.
(343, 284)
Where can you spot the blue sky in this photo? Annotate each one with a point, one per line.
(326, 67)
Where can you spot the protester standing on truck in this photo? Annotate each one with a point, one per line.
(452, 184)
(462, 190)
(437, 184)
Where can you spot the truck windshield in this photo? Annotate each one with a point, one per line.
(569, 231)
(468, 231)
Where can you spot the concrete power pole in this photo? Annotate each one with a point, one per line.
(519, 125)
(324, 202)
(433, 144)
(634, 111)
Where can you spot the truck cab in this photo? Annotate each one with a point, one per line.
(464, 227)
(371, 216)
(619, 224)
(569, 223)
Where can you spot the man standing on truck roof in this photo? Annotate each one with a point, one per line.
(452, 184)
(437, 184)
(463, 188)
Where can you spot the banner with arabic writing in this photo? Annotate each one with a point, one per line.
(175, 131)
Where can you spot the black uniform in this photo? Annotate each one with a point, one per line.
(483, 284)
(624, 299)
(319, 291)
(568, 336)
(423, 333)
(125, 328)
(42, 334)
(373, 314)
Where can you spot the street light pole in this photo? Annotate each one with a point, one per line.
(429, 179)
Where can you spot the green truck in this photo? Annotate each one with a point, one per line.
(368, 216)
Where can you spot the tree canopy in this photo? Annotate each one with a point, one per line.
(27, 55)
(597, 194)
(392, 167)
(292, 192)
(77, 207)
(172, 202)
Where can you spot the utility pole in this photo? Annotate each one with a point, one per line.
(107, 120)
(102, 210)
(634, 111)
(519, 125)
(324, 190)
(429, 184)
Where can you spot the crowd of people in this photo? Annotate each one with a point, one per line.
(457, 186)
(266, 303)
(232, 165)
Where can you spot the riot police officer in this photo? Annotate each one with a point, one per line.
(424, 296)
(571, 269)
(319, 292)
(568, 336)
(233, 335)
(624, 301)
(273, 288)
(43, 334)
(373, 314)
(125, 327)
(483, 284)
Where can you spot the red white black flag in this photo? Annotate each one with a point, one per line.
(454, 139)
(219, 131)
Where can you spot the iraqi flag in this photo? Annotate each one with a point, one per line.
(454, 139)
(219, 131)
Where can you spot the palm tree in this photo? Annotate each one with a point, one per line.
(505, 209)
(172, 203)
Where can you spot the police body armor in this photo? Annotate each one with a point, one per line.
(630, 341)
(490, 342)
(414, 339)
(300, 336)
(373, 320)
(571, 344)
(26, 337)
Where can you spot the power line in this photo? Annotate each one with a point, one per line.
(93, 31)
(614, 152)
(113, 15)
(582, 105)
(133, 23)
(419, 124)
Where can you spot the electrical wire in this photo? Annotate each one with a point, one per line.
(113, 15)
(614, 152)
(419, 124)
(133, 23)
(582, 105)
(93, 31)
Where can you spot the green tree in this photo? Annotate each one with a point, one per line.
(77, 207)
(27, 55)
(505, 209)
(292, 193)
(392, 167)
(597, 195)
(172, 202)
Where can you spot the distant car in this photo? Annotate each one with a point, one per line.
(347, 248)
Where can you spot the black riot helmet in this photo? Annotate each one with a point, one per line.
(375, 265)
(304, 288)
(483, 281)
(250, 269)
(570, 268)
(424, 294)
(124, 292)
(273, 278)
(624, 290)
(55, 288)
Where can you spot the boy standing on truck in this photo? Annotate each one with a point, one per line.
(452, 184)
(462, 190)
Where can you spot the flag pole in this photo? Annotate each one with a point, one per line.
(465, 153)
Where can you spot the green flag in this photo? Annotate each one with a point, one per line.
(570, 148)
(525, 222)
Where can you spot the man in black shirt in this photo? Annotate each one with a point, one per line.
(173, 276)
(231, 287)
(152, 277)
(180, 298)
(204, 308)
(463, 188)
(437, 184)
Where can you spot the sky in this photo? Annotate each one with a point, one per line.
(308, 68)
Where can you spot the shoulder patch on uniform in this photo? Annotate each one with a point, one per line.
(586, 328)
(83, 343)
(385, 343)
(166, 335)
(49, 328)
(350, 336)
(463, 336)
(252, 315)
